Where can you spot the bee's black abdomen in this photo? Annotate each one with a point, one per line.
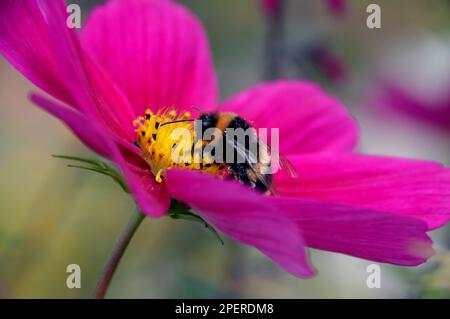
(239, 122)
(246, 172)
(241, 168)
(240, 172)
(263, 187)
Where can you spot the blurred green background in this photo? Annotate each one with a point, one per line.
(52, 216)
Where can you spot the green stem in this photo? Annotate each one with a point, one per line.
(117, 253)
(274, 46)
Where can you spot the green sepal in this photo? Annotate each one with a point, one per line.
(97, 166)
(183, 212)
(177, 209)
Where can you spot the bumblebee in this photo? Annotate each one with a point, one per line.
(249, 167)
(251, 164)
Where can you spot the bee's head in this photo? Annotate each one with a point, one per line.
(209, 120)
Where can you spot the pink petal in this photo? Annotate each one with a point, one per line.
(152, 198)
(408, 187)
(309, 120)
(359, 232)
(35, 39)
(26, 44)
(83, 129)
(247, 216)
(156, 51)
(243, 215)
(113, 109)
(392, 98)
(77, 123)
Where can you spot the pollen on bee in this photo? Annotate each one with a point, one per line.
(163, 149)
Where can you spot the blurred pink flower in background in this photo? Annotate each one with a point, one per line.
(414, 81)
(435, 112)
(331, 65)
(376, 208)
(318, 58)
(271, 7)
(338, 7)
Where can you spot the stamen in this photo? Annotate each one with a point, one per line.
(158, 176)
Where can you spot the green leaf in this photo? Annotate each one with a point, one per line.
(96, 166)
(81, 159)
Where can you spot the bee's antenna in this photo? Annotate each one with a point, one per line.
(178, 121)
(198, 109)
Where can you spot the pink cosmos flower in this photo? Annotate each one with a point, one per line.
(331, 65)
(338, 7)
(139, 54)
(324, 60)
(271, 7)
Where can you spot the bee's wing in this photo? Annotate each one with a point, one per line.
(285, 165)
(251, 158)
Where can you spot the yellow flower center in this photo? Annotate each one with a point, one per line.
(167, 141)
